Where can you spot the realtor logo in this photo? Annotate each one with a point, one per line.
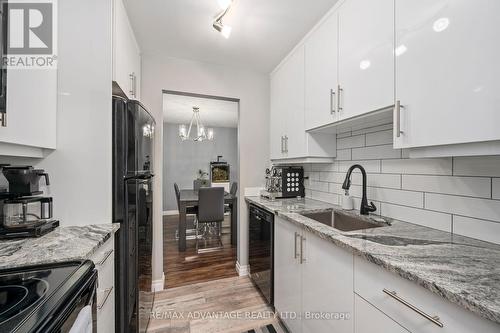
(30, 38)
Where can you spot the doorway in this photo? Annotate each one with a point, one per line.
(190, 162)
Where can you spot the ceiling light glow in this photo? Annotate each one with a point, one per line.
(224, 4)
(441, 24)
(226, 31)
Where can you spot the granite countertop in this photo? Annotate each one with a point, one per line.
(462, 270)
(62, 244)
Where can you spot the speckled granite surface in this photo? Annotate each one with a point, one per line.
(62, 244)
(464, 271)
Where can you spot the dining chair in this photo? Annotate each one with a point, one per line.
(234, 188)
(211, 216)
(232, 191)
(189, 211)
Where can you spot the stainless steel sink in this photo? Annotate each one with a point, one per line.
(344, 222)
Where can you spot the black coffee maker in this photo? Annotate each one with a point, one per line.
(23, 211)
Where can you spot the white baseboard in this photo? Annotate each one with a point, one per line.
(157, 285)
(243, 270)
(170, 212)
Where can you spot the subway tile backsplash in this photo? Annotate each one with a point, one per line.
(460, 194)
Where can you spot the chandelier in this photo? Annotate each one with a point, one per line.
(202, 133)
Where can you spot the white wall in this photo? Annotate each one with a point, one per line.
(80, 168)
(455, 194)
(251, 88)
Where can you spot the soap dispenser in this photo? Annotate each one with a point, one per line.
(347, 201)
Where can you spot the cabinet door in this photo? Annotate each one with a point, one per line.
(327, 288)
(126, 52)
(447, 80)
(369, 319)
(321, 60)
(366, 57)
(293, 72)
(31, 108)
(287, 274)
(277, 115)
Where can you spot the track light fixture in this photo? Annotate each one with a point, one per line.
(224, 30)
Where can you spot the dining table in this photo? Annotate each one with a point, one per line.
(189, 198)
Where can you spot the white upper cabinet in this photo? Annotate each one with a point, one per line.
(321, 60)
(293, 72)
(289, 140)
(287, 108)
(277, 116)
(366, 57)
(447, 72)
(126, 53)
(31, 112)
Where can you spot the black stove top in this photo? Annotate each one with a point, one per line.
(28, 295)
(21, 296)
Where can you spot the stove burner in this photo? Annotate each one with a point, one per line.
(19, 297)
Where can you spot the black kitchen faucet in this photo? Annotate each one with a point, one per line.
(365, 207)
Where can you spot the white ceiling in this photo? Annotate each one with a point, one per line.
(264, 31)
(178, 109)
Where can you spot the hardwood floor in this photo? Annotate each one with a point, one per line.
(230, 305)
(184, 268)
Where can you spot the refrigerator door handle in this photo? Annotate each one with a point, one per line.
(139, 177)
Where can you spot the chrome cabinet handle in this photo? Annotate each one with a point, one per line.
(339, 92)
(106, 296)
(433, 319)
(302, 257)
(397, 118)
(286, 143)
(135, 85)
(131, 90)
(295, 254)
(282, 144)
(332, 101)
(105, 257)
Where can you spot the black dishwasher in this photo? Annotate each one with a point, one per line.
(261, 251)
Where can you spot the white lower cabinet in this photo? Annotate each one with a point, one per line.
(313, 282)
(327, 284)
(371, 280)
(287, 274)
(104, 260)
(368, 319)
(320, 287)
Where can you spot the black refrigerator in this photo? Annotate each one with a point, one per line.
(133, 134)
